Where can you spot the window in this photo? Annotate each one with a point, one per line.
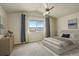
(36, 25)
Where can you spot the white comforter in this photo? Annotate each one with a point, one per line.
(61, 42)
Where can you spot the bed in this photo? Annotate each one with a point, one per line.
(62, 44)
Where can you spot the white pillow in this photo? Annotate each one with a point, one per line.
(72, 35)
(74, 38)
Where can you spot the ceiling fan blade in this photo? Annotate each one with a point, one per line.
(47, 9)
(51, 7)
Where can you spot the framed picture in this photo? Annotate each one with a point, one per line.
(72, 24)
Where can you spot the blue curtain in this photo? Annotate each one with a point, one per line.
(47, 21)
(23, 36)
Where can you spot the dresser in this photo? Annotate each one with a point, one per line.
(6, 45)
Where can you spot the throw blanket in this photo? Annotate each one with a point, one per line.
(61, 42)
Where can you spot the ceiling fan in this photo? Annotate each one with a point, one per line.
(47, 9)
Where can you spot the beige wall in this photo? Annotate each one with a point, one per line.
(2, 12)
(53, 26)
(62, 22)
(35, 36)
(14, 24)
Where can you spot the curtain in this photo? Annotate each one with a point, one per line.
(23, 36)
(47, 22)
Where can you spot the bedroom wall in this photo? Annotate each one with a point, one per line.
(53, 26)
(2, 12)
(62, 22)
(14, 24)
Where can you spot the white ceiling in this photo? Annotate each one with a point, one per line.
(60, 9)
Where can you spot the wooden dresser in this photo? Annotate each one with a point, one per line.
(6, 45)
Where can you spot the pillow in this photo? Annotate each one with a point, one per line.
(66, 35)
(72, 36)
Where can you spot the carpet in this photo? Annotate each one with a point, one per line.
(32, 49)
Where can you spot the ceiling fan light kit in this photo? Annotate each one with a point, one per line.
(47, 10)
(46, 13)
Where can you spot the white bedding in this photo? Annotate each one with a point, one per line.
(56, 44)
(61, 42)
(60, 45)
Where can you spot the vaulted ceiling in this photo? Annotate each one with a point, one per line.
(60, 9)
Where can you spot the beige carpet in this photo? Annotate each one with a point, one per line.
(73, 52)
(36, 49)
(31, 49)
